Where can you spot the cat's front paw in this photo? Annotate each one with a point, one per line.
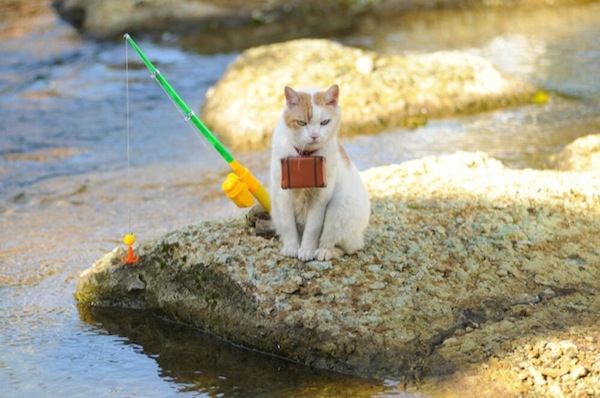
(289, 250)
(328, 254)
(306, 254)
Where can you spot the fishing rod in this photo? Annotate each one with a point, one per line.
(240, 185)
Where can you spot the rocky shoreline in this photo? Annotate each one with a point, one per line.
(475, 276)
(227, 25)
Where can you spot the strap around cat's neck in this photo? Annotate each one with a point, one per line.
(304, 153)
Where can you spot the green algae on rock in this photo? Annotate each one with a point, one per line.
(377, 91)
(463, 257)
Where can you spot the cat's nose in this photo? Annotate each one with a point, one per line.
(314, 136)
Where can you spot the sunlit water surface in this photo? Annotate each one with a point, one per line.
(64, 184)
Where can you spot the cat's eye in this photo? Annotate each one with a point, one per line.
(301, 122)
(325, 122)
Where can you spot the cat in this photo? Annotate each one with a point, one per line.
(317, 223)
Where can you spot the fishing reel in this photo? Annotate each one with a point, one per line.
(242, 187)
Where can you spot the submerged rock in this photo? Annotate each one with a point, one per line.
(377, 91)
(463, 259)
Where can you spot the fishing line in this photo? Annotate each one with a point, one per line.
(129, 238)
(128, 128)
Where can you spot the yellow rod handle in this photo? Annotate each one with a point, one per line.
(254, 186)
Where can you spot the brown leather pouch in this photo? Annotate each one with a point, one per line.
(303, 172)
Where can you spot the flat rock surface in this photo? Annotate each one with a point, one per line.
(376, 91)
(469, 268)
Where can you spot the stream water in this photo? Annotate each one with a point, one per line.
(64, 184)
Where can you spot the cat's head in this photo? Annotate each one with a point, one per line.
(312, 116)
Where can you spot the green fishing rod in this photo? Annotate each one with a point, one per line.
(240, 185)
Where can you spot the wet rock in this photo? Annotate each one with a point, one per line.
(351, 315)
(398, 91)
(11, 10)
(258, 219)
(106, 19)
(223, 25)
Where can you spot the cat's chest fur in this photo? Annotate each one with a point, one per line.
(303, 200)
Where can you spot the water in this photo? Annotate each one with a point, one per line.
(63, 187)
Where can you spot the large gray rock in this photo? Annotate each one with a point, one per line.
(377, 91)
(463, 258)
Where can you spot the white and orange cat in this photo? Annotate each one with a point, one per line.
(317, 223)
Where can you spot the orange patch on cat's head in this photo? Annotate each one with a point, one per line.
(299, 108)
(329, 97)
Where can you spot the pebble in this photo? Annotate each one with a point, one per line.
(555, 390)
(364, 64)
(469, 346)
(553, 372)
(578, 372)
(460, 332)
(319, 265)
(374, 268)
(538, 377)
(377, 286)
(524, 364)
(136, 284)
(309, 274)
(547, 294)
(349, 281)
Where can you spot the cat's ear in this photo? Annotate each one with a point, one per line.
(291, 97)
(332, 94)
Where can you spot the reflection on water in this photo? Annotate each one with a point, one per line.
(63, 181)
(199, 362)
